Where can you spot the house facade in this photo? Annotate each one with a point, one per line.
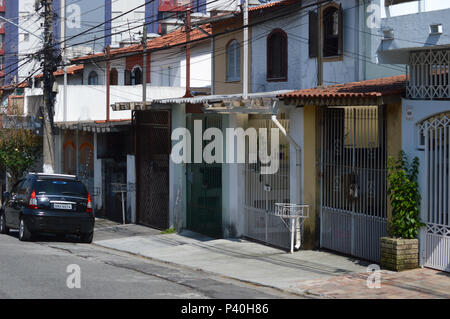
(416, 34)
(230, 199)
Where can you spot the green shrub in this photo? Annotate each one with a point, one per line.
(168, 231)
(405, 197)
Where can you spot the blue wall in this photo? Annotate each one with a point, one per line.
(11, 41)
(108, 25)
(151, 16)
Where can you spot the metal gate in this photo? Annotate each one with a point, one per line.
(262, 192)
(153, 145)
(353, 186)
(204, 188)
(435, 137)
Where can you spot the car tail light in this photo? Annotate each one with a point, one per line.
(33, 201)
(89, 205)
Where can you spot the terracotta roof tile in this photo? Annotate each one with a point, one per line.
(273, 5)
(71, 70)
(167, 40)
(370, 88)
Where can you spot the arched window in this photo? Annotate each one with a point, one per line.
(93, 78)
(136, 76)
(114, 77)
(332, 31)
(277, 56)
(233, 61)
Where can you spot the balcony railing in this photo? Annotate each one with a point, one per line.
(175, 5)
(428, 75)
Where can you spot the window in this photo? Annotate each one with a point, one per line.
(233, 61)
(332, 28)
(114, 77)
(332, 32)
(93, 78)
(136, 75)
(277, 56)
(393, 2)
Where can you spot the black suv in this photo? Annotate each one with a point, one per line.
(49, 204)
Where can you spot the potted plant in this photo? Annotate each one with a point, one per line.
(400, 251)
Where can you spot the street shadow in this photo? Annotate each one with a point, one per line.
(48, 238)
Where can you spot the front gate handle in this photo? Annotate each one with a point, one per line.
(354, 187)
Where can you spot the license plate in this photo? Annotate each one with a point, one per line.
(63, 206)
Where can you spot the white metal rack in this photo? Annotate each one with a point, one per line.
(292, 216)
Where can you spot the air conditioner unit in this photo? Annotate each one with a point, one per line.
(436, 29)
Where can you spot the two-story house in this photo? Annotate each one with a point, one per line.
(416, 33)
(229, 199)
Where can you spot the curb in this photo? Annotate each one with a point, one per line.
(304, 294)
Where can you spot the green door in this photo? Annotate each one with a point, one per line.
(204, 189)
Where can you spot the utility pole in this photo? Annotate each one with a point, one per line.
(108, 81)
(63, 37)
(188, 51)
(144, 62)
(245, 72)
(49, 66)
(319, 46)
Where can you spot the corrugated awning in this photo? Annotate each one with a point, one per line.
(96, 126)
(231, 103)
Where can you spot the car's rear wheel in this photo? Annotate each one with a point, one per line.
(24, 233)
(3, 228)
(87, 238)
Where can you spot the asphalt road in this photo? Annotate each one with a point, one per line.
(39, 270)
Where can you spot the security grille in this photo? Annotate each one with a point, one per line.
(428, 75)
(353, 187)
(262, 192)
(436, 210)
(152, 154)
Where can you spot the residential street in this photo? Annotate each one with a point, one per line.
(38, 270)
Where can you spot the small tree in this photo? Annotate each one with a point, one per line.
(405, 197)
(19, 147)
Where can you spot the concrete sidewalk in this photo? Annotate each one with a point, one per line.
(309, 273)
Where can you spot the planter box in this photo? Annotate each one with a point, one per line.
(399, 254)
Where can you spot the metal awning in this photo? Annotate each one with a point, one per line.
(255, 103)
(95, 126)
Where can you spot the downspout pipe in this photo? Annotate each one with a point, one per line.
(108, 82)
(298, 164)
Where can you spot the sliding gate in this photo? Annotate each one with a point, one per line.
(435, 134)
(262, 192)
(353, 187)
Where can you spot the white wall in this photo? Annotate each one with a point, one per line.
(28, 20)
(412, 7)
(130, 20)
(177, 177)
(175, 59)
(88, 102)
(420, 110)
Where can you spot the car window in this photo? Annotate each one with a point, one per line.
(23, 188)
(16, 187)
(60, 187)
